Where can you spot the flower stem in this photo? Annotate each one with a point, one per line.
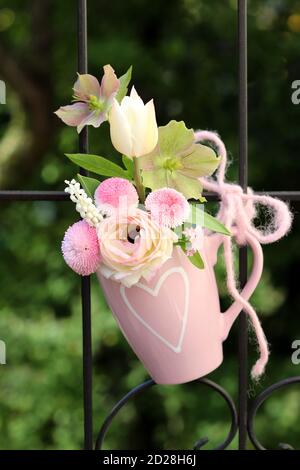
(138, 180)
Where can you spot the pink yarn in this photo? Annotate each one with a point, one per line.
(80, 248)
(237, 210)
(114, 193)
(168, 207)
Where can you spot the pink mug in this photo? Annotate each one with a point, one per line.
(174, 323)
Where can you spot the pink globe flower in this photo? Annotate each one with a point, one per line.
(168, 207)
(80, 248)
(116, 193)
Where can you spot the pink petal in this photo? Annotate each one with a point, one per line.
(92, 119)
(73, 114)
(85, 86)
(110, 83)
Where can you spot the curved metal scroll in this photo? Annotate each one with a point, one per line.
(260, 399)
(149, 383)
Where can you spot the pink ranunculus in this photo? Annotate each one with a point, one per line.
(133, 247)
(92, 100)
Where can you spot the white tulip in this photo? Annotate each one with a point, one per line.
(133, 127)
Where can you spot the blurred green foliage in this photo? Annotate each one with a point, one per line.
(184, 55)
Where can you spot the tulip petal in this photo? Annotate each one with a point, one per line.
(142, 121)
(150, 129)
(136, 97)
(120, 132)
(129, 112)
(133, 108)
(110, 83)
(85, 86)
(73, 114)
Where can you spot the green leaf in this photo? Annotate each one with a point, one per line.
(197, 260)
(182, 243)
(99, 165)
(89, 184)
(215, 225)
(128, 163)
(199, 217)
(196, 216)
(124, 82)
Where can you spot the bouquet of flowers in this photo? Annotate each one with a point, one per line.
(139, 210)
(145, 232)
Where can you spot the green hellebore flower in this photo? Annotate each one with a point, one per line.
(177, 161)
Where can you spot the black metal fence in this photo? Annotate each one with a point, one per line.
(242, 416)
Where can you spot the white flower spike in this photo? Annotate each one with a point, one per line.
(84, 204)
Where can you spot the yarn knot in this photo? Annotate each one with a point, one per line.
(237, 211)
(231, 189)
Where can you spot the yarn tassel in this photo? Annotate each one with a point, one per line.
(237, 210)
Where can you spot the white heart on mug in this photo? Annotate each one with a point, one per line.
(154, 292)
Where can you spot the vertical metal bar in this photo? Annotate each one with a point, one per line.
(243, 180)
(85, 282)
